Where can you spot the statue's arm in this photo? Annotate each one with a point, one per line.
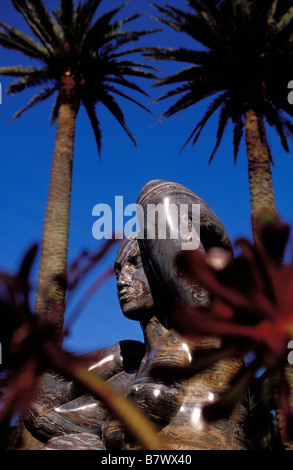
(62, 408)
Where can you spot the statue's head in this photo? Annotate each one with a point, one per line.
(146, 265)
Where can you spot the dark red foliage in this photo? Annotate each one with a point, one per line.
(29, 347)
(250, 309)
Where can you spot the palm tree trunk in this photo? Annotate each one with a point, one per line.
(262, 197)
(52, 277)
(259, 167)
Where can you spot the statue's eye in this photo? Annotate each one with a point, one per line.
(136, 261)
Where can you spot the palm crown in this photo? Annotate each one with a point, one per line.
(245, 59)
(71, 43)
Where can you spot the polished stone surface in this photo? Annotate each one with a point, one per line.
(148, 286)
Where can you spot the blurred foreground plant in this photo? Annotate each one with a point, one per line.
(31, 348)
(251, 310)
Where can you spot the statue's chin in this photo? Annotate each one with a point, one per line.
(134, 312)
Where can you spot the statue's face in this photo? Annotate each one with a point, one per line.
(133, 288)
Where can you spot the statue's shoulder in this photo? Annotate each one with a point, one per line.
(123, 355)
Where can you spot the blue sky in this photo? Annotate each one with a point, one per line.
(26, 154)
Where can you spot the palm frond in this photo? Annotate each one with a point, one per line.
(275, 119)
(271, 12)
(107, 99)
(133, 50)
(193, 25)
(114, 39)
(135, 65)
(55, 110)
(178, 55)
(127, 97)
(183, 103)
(224, 117)
(102, 28)
(64, 15)
(188, 74)
(92, 115)
(190, 98)
(42, 96)
(18, 71)
(242, 9)
(35, 78)
(209, 10)
(120, 23)
(237, 135)
(12, 38)
(196, 91)
(130, 71)
(285, 21)
(40, 21)
(171, 12)
(288, 125)
(86, 13)
(186, 87)
(212, 108)
(126, 83)
(115, 31)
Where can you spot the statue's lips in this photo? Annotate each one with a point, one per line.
(125, 295)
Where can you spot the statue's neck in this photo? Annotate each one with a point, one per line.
(153, 331)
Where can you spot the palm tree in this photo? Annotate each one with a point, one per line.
(242, 57)
(83, 62)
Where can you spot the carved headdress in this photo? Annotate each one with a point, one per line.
(176, 207)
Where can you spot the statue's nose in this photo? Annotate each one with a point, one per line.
(122, 281)
(120, 286)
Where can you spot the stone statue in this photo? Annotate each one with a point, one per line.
(148, 286)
